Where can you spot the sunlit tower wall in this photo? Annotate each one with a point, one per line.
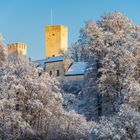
(56, 40)
(19, 49)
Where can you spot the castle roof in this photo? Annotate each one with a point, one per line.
(41, 62)
(77, 68)
(55, 59)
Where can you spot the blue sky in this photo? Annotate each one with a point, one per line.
(25, 20)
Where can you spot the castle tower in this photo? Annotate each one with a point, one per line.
(56, 40)
(17, 48)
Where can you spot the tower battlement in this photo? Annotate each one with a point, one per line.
(17, 48)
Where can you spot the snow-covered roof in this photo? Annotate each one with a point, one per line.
(55, 59)
(41, 63)
(77, 68)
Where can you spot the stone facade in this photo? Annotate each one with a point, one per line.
(74, 78)
(55, 69)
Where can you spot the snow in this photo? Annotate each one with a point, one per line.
(41, 63)
(55, 59)
(77, 68)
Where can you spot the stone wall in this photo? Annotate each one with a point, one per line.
(55, 69)
(74, 78)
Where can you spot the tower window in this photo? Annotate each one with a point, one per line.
(58, 73)
(53, 34)
(50, 73)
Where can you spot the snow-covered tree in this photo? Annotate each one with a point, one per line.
(119, 64)
(31, 106)
(113, 44)
(125, 125)
(3, 53)
(75, 51)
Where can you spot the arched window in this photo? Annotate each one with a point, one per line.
(58, 73)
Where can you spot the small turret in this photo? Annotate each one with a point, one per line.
(19, 49)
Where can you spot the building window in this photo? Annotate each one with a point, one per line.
(50, 73)
(53, 34)
(58, 73)
(53, 55)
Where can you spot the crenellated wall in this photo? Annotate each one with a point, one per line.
(17, 48)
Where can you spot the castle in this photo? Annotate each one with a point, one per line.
(55, 63)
